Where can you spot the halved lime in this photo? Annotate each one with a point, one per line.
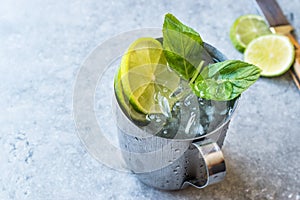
(245, 29)
(146, 79)
(274, 54)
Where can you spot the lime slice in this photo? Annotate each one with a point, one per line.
(147, 81)
(274, 54)
(245, 29)
(124, 102)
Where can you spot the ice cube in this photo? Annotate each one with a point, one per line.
(190, 116)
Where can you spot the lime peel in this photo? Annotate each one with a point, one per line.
(245, 29)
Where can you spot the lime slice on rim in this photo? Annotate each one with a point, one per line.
(274, 54)
(124, 102)
(147, 81)
(245, 29)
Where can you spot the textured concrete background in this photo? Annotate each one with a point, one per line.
(42, 45)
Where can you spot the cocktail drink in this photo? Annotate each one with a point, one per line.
(174, 99)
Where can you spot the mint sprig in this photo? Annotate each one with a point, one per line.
(185, 53)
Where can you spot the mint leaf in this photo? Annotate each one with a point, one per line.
(185, 53)
(183, 47)
(172, 23)
(226, 80)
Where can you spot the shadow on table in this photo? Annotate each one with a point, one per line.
(232, 186)
(241, 182)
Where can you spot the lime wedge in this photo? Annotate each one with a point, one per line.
(146, 79)
(135, 116)
(245, 29)
(274, 54)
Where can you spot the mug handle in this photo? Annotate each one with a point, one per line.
(214, 164)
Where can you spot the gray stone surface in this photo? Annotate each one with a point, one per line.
(43, 44)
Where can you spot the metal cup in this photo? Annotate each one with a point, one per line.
(173, 164)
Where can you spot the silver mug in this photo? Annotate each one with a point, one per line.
(173, 164)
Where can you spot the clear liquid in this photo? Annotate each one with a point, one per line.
(190, 117)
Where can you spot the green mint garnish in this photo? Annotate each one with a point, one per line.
(225, 80)
(182, 46)
(184, 51)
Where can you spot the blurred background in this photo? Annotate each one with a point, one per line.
(42, 46)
